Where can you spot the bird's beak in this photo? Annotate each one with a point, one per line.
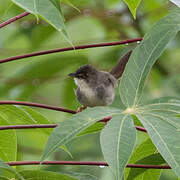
(72, 74)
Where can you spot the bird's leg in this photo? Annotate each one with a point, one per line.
(80, 109)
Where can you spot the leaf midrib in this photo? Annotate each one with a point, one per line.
(119, 137)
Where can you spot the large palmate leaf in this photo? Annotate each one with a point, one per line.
(144, 56)
(41, 175)
(165, 136)
(48, 9)
(132, 4)
(6, 167)
(8, 143)
(75, 124)
(117, 141)
(165, 105)
(145, 153)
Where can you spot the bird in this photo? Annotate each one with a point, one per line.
(96, 87)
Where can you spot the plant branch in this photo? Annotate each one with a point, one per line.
(139, 128)
(45, 106)
(68, 49)
(5, 23)
(34, 126)
(89, 163)
(29, 126)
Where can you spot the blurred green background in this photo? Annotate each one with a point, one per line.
(44, 79)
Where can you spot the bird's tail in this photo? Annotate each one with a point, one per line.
(118, 69)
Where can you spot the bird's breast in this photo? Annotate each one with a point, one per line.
(87, 95)
(93, 96)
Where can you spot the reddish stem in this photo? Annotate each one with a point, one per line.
(69, 49)
(29, 126)
(89, 163)
(5, 23)
(45, 106)
(33, 126)
(148, 166)
(140, 129)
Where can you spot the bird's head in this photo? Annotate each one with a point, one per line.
(84, 72)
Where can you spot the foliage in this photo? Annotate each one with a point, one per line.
(118, 137)
(44, 79)
(33, 175)
(6, 167)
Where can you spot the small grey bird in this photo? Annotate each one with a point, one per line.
(96, 88)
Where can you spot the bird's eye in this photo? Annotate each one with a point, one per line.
(82, 75)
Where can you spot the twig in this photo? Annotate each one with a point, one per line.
(89, 163)
(68, 49)
(29, 126)
(140, 129)
(45, 106)
(5, 23)
(34, 126)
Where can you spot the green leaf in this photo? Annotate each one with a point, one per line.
(166, 105)
(173, 121)
(41, 175)
(165, 137)
(133, 4)
(117, 142)
(82, 176)
(48, 9)
(145, 153)
(10, 169)
(144, 56)
(147, 174)
(68, 2)
(22, 115)
(36, 118)
(56, 3)
(92, 129)
(14, 114)
(8, 143)
(66, 150)
(74, 125)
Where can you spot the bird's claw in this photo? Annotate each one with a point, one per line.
(80, 109)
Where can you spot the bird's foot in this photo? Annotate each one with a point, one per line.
(80, 109)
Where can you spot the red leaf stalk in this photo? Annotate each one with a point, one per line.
(68, 49)
(89, 163)
(5, 23)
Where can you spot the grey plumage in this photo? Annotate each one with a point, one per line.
(96, 88)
